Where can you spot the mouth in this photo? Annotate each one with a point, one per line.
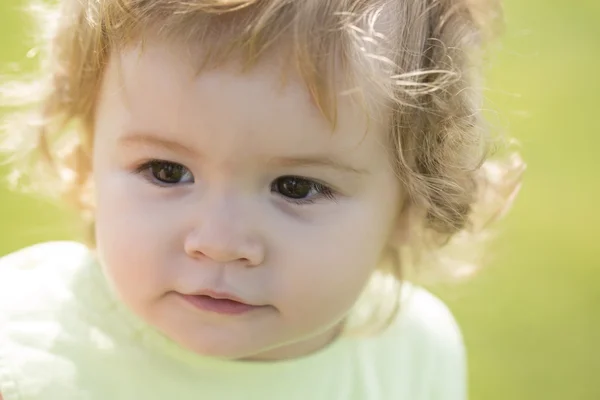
(219, 303)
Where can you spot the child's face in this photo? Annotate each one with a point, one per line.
(230, 183)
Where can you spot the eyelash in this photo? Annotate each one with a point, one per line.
(322, 191)
(146, 171)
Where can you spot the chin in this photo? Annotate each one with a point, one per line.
(219, 346)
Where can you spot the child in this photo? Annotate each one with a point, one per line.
(259, 175)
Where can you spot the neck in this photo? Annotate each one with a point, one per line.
(302, 348)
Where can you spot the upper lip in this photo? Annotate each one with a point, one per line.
(221, 296)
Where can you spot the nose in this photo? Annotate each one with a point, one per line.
(224, 234)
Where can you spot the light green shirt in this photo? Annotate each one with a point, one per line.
(64, 336)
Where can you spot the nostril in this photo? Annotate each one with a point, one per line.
(224, 246)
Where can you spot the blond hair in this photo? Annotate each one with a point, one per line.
(423, 56)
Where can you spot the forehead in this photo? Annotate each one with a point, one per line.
(158, 89)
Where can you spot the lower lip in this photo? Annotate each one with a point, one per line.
(219, 306)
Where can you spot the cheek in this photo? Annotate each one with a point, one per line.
(130, 211)
(131, 242)
(329, 265)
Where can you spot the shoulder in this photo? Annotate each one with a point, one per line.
(47, 340)
(430, 330)
(42, 258)
(421, 354)
(425, 316)
(38, 273)
(35, 293)
(41, 253)
(422, 319)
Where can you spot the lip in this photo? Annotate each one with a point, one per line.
(219, 303)
(221, 296)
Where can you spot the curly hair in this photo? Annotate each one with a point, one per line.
(424, 56)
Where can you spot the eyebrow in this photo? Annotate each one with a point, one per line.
(136, 139)
(317, 161)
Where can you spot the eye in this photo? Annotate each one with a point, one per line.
(166, 173)
(301, 190)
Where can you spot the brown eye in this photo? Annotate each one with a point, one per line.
(169, 173)
(294, 187)
(300, 190)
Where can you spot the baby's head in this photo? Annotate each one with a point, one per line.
(272, 151)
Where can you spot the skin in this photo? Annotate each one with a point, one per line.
(228, 214)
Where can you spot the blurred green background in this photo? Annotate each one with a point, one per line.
(531, 319)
